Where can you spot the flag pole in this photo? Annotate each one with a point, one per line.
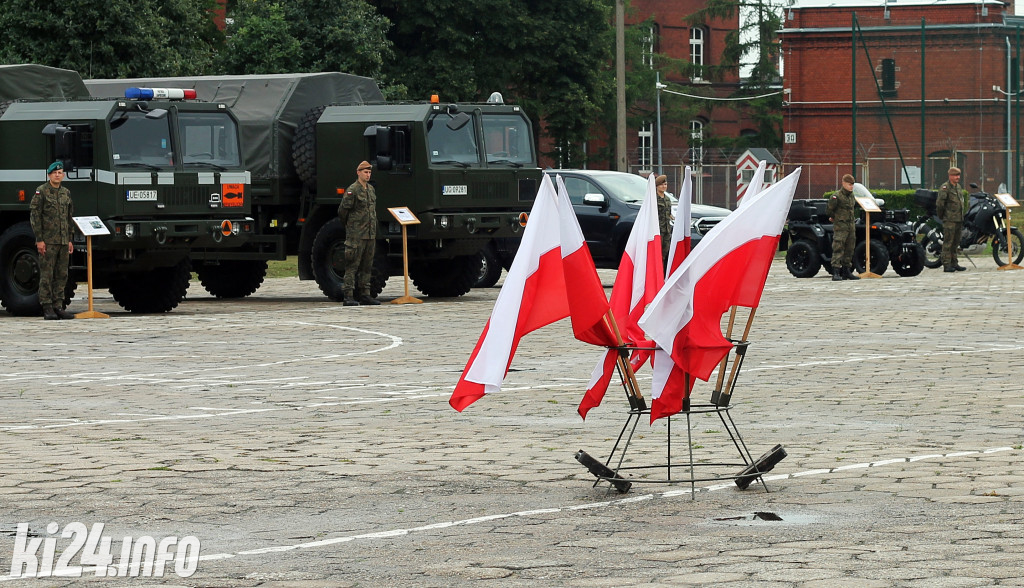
(632, 387)
(724, 395)
(725, 360)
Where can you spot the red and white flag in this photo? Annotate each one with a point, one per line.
(727, 268)
(640, 276)
(669, 384)
(680, 245)
(534, 295)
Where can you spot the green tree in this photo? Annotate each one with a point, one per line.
(752, 52)
(112, 38)
(306, 36)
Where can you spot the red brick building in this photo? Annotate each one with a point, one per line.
(941, 69)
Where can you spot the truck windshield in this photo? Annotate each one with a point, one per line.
(507, 139)
(141, 141)
(209, 137)
(448, 146)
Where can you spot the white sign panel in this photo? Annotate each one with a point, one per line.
(91, 225)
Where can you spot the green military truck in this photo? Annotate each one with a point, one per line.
(467, 171)
(163, 174)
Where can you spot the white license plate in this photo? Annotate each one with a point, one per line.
(136, 195)
(454, 190)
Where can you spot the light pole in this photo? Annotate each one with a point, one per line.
(1009, 156)
(658, 87)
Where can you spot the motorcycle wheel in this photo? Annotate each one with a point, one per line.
(803, 259)
(909, 262)
(879, 257)
(930, 240)
(999, 247)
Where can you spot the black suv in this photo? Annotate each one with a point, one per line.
(606, 205)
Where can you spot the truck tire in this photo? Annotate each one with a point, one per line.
(447, 277)
(153, 291)
(803, 259)
(328, 259)
(19, 268)
(304, 146)
(232, 278)
(490, 270)
(879, 257)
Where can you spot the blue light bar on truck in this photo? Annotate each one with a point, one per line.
(159, 94)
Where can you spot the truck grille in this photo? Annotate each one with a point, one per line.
(187, 196)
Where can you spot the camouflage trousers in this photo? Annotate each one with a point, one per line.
(358, 264)
(951, 233)
(842, 246)
(53, 275)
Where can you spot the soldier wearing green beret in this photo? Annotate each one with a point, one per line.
(358, 213)
(50, 216)
(841, 210)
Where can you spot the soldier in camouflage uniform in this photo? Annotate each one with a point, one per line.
(950, 207)
(664, 216)
(840, 210)
(358, 212)
(51, 211)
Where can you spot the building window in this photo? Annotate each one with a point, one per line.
(648, 46)
(889, 78)
(697, 53)
(697, 140)
(644, 147)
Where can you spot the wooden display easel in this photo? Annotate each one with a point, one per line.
(1009, 202)
(869, 205)
(90, 225)
(404, 216)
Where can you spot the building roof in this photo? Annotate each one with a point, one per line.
(798, 4)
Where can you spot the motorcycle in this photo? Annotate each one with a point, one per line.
(809, 234)
(984, 225)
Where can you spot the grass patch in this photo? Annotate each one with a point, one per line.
(288, 268)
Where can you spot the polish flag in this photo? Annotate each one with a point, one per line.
(640, 276)
(727, 268)
(755, 186)
(669, 384)
(534, 295)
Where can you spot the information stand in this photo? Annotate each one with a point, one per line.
(90, 225)
(869, 205)
(1009, 202)
(405, 217)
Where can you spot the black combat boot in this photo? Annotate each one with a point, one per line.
(837, 275)
(959, 267)
(949, 269)
(349, 301)
(367, 300)
(48, 313)
(849, 275)
(63, 314)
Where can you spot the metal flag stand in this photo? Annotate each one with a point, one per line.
(613, 468)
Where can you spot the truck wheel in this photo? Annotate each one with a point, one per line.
(19, 264)
(879, 257)
(490, 269)
(909, 262)
(803, 259)
(233, 278)
(153, 291)
(328, 260)
(446, 277)
(304, 146)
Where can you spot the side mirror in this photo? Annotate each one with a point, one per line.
(594, 199)
(458, 121)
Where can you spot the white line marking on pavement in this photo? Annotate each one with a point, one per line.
(577, 507)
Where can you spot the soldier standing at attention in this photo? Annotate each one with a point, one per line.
(664, 216)
(840, 211)
(950, 207)
(358, 213)
(51, 211)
